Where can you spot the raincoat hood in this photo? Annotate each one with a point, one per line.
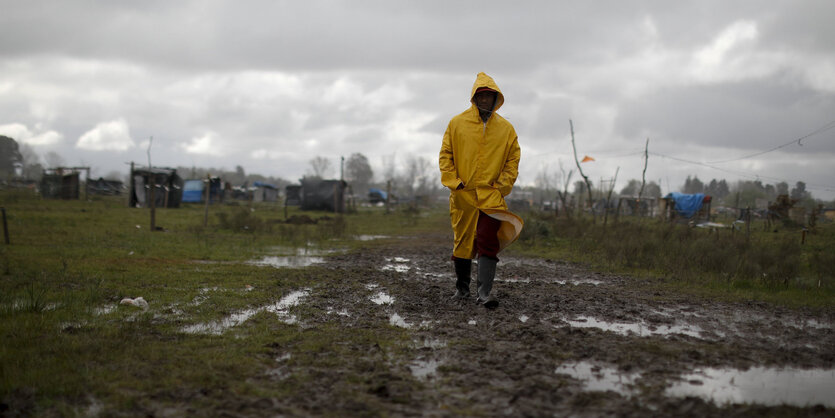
(484, 80)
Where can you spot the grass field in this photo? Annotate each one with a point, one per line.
(69, 347)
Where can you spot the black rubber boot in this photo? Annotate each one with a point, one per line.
(486, 274)
(463, 271)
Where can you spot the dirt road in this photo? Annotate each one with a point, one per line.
(564, 341)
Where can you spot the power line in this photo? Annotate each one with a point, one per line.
(822, 129)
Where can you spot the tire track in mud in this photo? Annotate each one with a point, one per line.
(564, 340)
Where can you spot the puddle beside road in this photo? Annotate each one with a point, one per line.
(370, 237)
(382, 298)
(423, 369)
(760, 385)
(279, 308)
(640, 329)
(287, 261)
(104, 310)
(599, 378)
(575, 282)
(398, 264)
(431, 343)
(292, 257)
(398, 321)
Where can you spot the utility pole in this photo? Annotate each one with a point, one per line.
(643, 177)
(153, 185)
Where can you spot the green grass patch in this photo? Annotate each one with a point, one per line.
(762, 265)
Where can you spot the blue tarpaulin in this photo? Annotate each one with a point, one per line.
(687, 204)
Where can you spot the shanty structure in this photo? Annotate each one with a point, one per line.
(317, 194)
(194, 190)
(62, 182)
(168, 187)
(691, 207)
(105, 187)
(264, 192)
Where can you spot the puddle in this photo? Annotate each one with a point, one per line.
(808, 323)
(398, 264)
(287, 261)
(524, 318)
(382, 298)
(104, 310)
(575, 282)
(423, 369)
(371, 286)
(342, 312)
(370, 237)
(431, 343)
(599, 378)
(292, 257)
(398, 321)
(639, 329)
(471, 322)
(279, 308)
(766, 386)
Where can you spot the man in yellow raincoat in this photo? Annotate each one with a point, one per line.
(479, 162)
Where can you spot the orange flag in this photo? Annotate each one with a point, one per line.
(587, 159)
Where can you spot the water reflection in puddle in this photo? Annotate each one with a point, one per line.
(524, 318)
(640, 329)
(104, 310)
(287, 261)
(575, 282)
(398, 321)
(382, 298)
(599, 378)
(398, 264)
(279, 308)
(760, 385)
(423, 369)
(292, 257)
(431, 343)
(370, 237)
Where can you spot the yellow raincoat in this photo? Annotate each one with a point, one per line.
(484, 157)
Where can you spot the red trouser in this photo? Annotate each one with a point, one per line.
(487, 236)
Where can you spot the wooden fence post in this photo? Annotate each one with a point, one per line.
(5, 226)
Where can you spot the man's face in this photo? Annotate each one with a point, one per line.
(484, 100)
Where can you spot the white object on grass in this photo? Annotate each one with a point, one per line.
(138, 302)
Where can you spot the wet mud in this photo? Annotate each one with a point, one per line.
(563, 341)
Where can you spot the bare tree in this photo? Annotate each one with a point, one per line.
(320, 166)
(417, 180)
(580, 169)
(563, 195)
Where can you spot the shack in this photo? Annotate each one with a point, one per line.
(264, 192)
(194, 190)
(62, 182)
(168, 191)
(317, 194)
(690, 207)
(58, 185)
(105, 187)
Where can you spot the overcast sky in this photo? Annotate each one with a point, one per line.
(269, 85)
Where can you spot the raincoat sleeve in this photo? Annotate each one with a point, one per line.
(449, 175)
(510, 169)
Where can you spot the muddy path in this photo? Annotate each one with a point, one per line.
(564, 341)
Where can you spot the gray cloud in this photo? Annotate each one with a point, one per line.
(270, 84)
